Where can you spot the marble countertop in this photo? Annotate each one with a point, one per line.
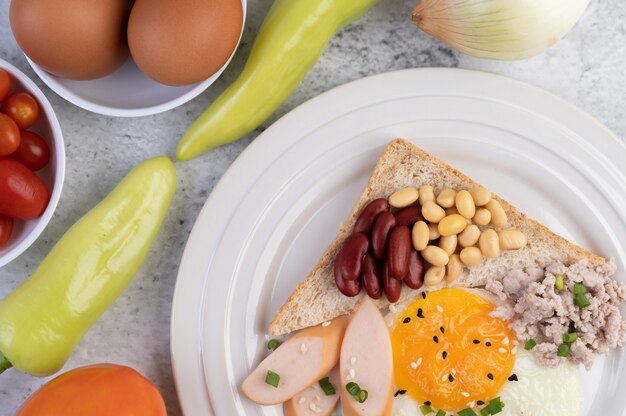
(587, 68)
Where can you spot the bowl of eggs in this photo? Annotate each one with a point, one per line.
(128, 58)
(32, 162)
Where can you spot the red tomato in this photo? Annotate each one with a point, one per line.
(9, 135)
(33, 151)
(22, 108)
(5, 83)
(6, 228)
(22, 194)
(96, 390)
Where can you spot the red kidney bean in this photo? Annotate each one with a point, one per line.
(380, 234)
(372, 277)
(364, 223)
(415, 277)
(351, 255)
(409, 215)
(399, 252)
(391, 286)
(349, 288)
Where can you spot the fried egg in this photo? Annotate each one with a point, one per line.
(449, 353)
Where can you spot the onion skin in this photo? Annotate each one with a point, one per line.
(499, 29)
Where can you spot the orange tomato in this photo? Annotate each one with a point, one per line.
(96, 390)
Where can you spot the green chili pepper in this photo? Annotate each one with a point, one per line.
(45, 317)
(291, 39)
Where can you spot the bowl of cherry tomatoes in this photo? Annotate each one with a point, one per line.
(32, 162)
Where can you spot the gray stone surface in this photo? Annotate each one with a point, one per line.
(587, 68)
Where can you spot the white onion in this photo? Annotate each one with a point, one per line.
(499, 29)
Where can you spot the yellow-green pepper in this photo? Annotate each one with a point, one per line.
(45, 317)
(291, 39)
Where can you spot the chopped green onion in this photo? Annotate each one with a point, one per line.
(558, 284)
(581, 301)
(272, 344)
(495, 406)
(361, 396)
(441, 413)
(485, 411)
(272, 378)
(327, 387)
(353, 388)
(579, 289)
(571, 337)
(563, 350)
(426, 410)
(467, 412)
(530, 344)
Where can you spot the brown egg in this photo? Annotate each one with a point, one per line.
(185, 41)
(76, 39)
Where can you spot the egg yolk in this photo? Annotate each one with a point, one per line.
(448, 351)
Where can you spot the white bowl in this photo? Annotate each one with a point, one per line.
(127, 92)
(26, 232)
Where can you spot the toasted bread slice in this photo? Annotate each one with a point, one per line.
(317, 299)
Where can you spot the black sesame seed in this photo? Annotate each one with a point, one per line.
(423, 295)
(436, 339)
(513, 377)
(443, 331)
(444, 354)
(399, 392)
(490, 376)
(488, 344)
(420, 313)
(450, 378)
(406, 320)
(476, 341)
(427, 403)
(480, 403)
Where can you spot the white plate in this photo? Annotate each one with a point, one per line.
(279, 205)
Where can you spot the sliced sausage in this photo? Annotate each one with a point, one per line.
(372, 277)
(351, 255)
(314, 401)
(372, 210)
(409, 215)
(366, 359)
(300, 361)
(380, 233)
(399, 252)
(415, 277)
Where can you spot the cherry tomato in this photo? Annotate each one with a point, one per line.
(33, 151)
(5, 83)
(6, 228)
(22, 194)
(22, 108)
(96, 390)
(9, 135)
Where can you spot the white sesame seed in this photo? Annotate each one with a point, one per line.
(352, 373)
(444, 378)
(453, 372)
(392, 308)
(318, 410)
(312, 406)
(502, 350)
(352, 360)
(505, 341)
(413, 366)
(301, 400)
(465, 394)
(303, 348)
(419, 361)
(471, 404)
(325, 324)
(440, 309)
